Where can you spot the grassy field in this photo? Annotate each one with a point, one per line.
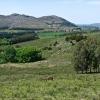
(50, 34)
(30, 81)
(27, 83)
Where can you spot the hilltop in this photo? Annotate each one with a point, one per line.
(25, 21)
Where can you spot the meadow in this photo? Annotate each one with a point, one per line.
(50, 34)
(29, 81)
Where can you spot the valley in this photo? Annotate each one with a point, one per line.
(51, 78)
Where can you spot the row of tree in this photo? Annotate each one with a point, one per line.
(23, 38)
(17, 39)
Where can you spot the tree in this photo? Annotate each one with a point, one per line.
(86, 56)
(4, 41)
(7, 54)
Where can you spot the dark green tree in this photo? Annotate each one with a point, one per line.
(7, 54)
(86, 57)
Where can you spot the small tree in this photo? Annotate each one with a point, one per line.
(86, 58)
(7, 54)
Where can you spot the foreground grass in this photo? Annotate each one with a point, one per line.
(28, 83)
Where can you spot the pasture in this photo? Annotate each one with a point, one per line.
(30, 81)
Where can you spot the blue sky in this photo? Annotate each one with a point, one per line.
(76, 11)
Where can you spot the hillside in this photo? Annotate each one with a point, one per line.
(25, 21)
(56, 22)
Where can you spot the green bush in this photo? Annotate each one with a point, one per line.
(87, 56)
(76, 37)
(20, 55)
(4, 41)
(28, 54)
(8, 54)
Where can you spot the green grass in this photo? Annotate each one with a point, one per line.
(26, 81)
(50, 34)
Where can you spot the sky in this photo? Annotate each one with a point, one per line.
(76, 11)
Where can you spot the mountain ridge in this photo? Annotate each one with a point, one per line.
(96, 25)
(25, 21)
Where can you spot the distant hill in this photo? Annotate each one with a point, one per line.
(55, 21)
(96, 25)
(90, 26)
(25, 21)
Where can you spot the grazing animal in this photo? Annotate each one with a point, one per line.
(48, 78)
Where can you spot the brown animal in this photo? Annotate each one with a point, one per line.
(48, 78)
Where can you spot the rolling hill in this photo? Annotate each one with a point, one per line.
(25, 21)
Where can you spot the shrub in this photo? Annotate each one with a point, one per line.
(8, 54)
(76, 37)
(20, 55)
(47, 48)
(28, 54)
(55, 43)
(86, 56)
(4, 41)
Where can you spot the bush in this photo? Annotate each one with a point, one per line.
(47, 48)
(20, 55)
(87, 56)
(55, 43)
(4, 41)
(76, 37)
(28, 54)
(8, 54)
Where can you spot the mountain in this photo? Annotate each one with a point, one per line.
(96, 25)
(20, 21)
(25, 21)
(56, 21)
(90, 26)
